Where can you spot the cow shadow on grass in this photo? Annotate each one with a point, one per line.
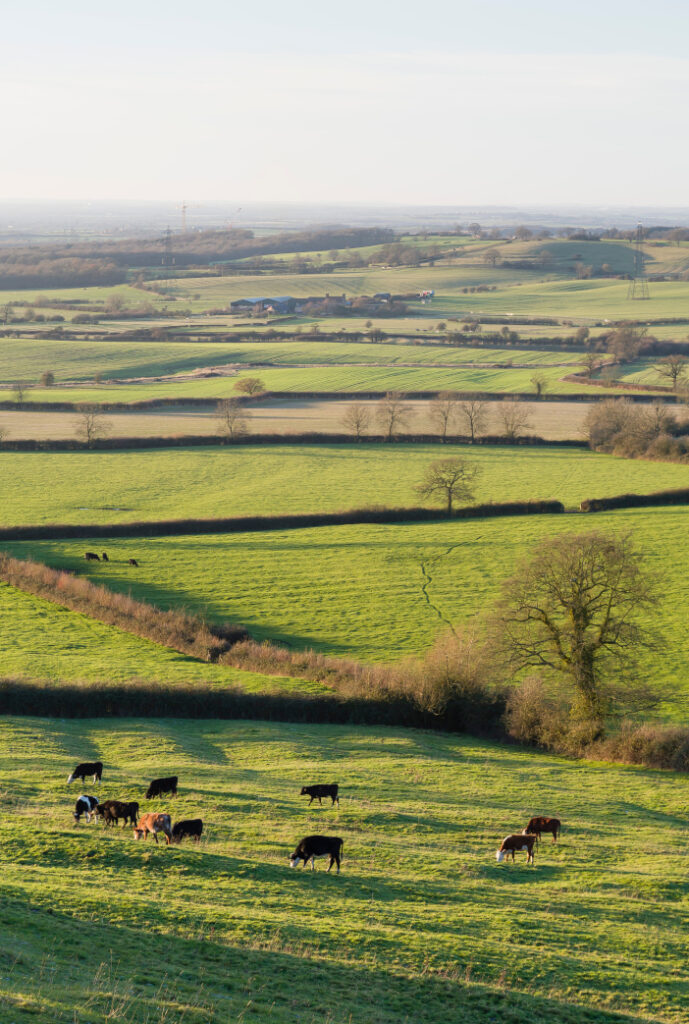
(290, 982)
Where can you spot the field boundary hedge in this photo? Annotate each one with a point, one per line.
(255, 524)
(656, 499)
(109, 444)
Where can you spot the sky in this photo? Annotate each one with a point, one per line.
(443, 102)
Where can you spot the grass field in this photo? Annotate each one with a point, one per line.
(421, 927)
(80, 360)
(85, 487)
(364, 591)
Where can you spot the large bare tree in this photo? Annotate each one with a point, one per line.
(90, 426)
(514, 417)
(393, 414)
(442, 412)
(576, 607)
(474, 414)
(450, 480)
(232, 417)
(357, 419)
(674, 369)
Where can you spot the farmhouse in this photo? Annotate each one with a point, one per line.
(260, 304)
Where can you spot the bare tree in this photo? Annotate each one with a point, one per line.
(515, 417)
(540, 383)
(250, 386)
(19, 391)
(232, 417)
(674, 369)
(392, 413)
(591, 363)
(91, 426)
(449, 479)
(575, 608)
(474, 413)
(625, 342)
(47, 379)
(442, 412)
(357, 419)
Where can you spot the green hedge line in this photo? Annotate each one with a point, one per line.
(658, 498)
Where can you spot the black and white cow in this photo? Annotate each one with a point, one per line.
(93, 768)
(317, 846)
(86, 806)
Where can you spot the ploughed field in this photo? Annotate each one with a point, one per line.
(373, 592)
(421, 925)
(127, 486)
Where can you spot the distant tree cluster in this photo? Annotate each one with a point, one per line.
(636, 431)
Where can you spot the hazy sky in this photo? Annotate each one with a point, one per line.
(457, 102)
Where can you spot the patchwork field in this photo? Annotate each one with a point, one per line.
(126, 486)
(374, 592)
(415, 928)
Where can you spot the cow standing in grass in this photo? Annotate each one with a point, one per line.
(516, 844)
(85, 806)
(151, 824)
(93, 768)
(538, 825)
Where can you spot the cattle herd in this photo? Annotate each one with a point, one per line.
(308, 849)
(92, 556)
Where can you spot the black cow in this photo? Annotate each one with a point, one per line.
(91, 556)
(318, 792)
(94, 768)
(318, 846)
(133, 561)
(190, 829)
(160, 786)
(112, 810)
(86, 805)
(104, 557)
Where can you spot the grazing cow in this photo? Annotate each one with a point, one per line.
(320, 791)
(190, 829)
(86, 805)
(153, 823)
(133, 561)
(104, 557)
(538, 825)
(91, 556)
(160, 786)
(112, 810)
(514, 843)
(317, 846)
(94, 768)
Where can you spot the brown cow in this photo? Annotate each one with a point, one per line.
(538, 825)
(154, 823)
(513, 844)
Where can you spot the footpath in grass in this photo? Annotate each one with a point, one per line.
(422, 924)
(122, 486)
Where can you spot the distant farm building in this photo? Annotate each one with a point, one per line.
(260, 304)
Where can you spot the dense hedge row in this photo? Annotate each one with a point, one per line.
(250, 524)
(677, 497)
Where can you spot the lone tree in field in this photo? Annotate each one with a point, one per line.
(674, 369)
(357, 419)
(250, 386)
(450, 480)
(91, 426)
(19, 391)
(474, 413)
(514, 418)
(47, 379)
(232, 417)
(442, 412)
(540, 383)
(392, 414)
(575, 608)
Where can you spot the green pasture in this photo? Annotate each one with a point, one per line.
(422, 925)
(41, 640)
(376, 592)
(128, 486)
(26, 360)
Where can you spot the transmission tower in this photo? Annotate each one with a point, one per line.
(168, 259)
(638, 286)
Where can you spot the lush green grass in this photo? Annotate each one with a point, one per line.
(361, 590)
(41, 640)
(96, 487)
(421, 926)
